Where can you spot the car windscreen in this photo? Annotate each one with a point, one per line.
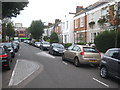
(46, 43)
(37, 42)
(7, 44)
(90, 49)
(59, 46)
(14, 44)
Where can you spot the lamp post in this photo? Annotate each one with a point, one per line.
(116, 23)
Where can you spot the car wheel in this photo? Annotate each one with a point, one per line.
(42, 48)
(49, 52)
(103, 72)
(76, 62)
(63, 57)
(52, 52)
(8, 67)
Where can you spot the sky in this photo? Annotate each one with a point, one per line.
(48, 10)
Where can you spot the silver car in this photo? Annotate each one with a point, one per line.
(82, 54)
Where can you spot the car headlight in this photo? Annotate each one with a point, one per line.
(55, 49)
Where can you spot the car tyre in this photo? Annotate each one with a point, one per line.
(103, 72)
(76, 62)
(8, 67)
(63, 57)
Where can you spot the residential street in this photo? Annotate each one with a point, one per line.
(33, 68)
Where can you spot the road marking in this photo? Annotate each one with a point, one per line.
(11, 80)
(45, 54)
(22, 71)
(101, 82)
(65, 63)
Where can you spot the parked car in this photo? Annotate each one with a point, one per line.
(17, 43)
(10, 48)
(82, 54)
(26, 41)
(6, 58)
(110, 63)
(37, 44)
(56, 49)
(16, 47)
(45, 45)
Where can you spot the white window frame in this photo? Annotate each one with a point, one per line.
(76, 23)
(82, 22)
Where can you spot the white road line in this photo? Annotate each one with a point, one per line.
(11, 80)
(65, 63)
(101, 82)
(19, 74)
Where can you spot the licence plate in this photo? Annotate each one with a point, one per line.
(92, 60)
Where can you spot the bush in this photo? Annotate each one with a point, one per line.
(67, 45)
(81, 43)
(54, 38)
(106, 40)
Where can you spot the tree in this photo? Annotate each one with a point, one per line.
(106, 40)
(46, 38)
(10, 30)
(36, 29)
(54, 38)
(12, 9)
(4, 31)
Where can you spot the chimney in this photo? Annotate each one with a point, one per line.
(79, 8)
(57, 20)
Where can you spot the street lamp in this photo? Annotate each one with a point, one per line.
(116, 23)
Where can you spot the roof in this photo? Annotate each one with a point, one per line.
(90, 7)
(114, 49)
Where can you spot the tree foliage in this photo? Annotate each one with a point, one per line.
(7, 30)
(54, 38)
(36, 29)
(12, 9)
(10, 30)
(4, 32)
(106, 40)
(46, 38)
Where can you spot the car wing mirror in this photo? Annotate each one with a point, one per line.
(9, 50)
(66, 48)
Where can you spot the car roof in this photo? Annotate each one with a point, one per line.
(114, 49)
(83, 46)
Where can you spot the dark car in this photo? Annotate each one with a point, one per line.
(10, 48)
(17, 43)
(110, 63)
(6, 58)
(45, 46)
(37, 44)
(56, 49)
(16, 47)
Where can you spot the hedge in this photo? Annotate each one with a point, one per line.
(106, 40)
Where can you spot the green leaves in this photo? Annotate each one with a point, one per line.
(36, 29)
(106, 40)
(91, 24)
(7, 30)
(54, 38)
(12, 9)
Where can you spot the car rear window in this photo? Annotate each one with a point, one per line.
(0, 51)
(90, 49)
